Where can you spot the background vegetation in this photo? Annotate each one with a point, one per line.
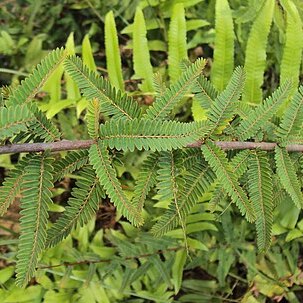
(109, 260)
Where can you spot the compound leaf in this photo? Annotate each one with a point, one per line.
(36, 196)
(99, 158)
(219, 163)
(260, 188)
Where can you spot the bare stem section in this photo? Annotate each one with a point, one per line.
(52, 146)
(84, 144)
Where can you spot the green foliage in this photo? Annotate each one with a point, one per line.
(142, 66)
(113, 59)
(197, 182)
(27, 116)
(218, 162)
(261, 194)
(177, 270)
(206, 92)
(165, 103)
(113, 102)
(12, 186)
(99, 158)
(36, 197)
(81, 207)
(287, 173)
(149, 135)
(255, 55)
(72, 91)
(223, 64)
(291, 123)
(223, 107)
(263, 112)
(180, 178)
(292, 52)
(145, 180)
(177, 49)
(87, 54)
(239, 166)
(13, 120)
(204, 98)
(38, 78)
(72, 162)
(43, 128)
(140, 159)
(92, 117)
(170, 183)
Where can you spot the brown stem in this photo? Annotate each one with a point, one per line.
(53, 146)
(84, 144)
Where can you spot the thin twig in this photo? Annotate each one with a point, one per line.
(85, 144)
(53, 146)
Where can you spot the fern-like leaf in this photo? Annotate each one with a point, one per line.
(11, 186)
(36, 196)
(223, 64)
(197, 182)
(292, 120)
(191, 158)
(255, 55)
(219, 163)
(82, 206)
(159, 84)
(113, 102)
(142, 66)
(169, 169)
(239, 167)
(146, 180)
(92, 118)
(41, 127)
(73, 161)
(165, 103)
(223, 108)
(99, 158)
(147, 134)
(260, 187)
(288, 176)
(170, 181)
(13, 120)
(177, 49)
(205, 92)
(249, 127)
(112, 51)
(28, 88)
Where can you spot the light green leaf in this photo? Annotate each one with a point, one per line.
(288, 177)
(177, 269)
(72, 90)
(177, 49)
(87, 54)
(112, 51)
(255, 55)
(142, 66)
(223, 64)
(292, 52)
(260, 188)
